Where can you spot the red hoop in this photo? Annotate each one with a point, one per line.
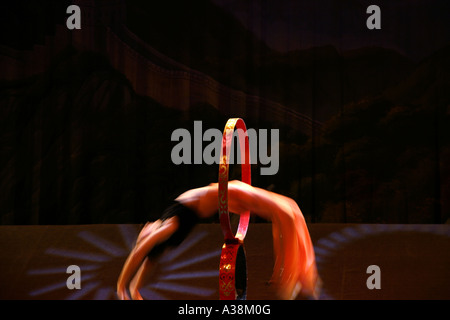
(233, 268)
(233, 272)
(224, 216)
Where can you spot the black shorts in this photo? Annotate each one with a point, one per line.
(187, 220)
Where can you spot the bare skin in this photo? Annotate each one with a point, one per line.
(294, 268)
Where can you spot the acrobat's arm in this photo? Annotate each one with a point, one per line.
(151, 235)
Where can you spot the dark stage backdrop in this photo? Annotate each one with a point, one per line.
(86, 115)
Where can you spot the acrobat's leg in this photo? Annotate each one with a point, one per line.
(139, 279)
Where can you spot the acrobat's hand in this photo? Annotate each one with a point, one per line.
(122, 293)
(295, 269)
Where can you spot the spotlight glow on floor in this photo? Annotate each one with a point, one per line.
(100, 253)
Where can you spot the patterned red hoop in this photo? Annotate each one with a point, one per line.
(227, 140)
(233, 269)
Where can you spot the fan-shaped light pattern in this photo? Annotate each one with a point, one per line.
(102, 252)
(328, 246)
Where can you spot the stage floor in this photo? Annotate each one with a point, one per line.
(414, 261)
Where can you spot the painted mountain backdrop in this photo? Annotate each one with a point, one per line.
(86, 115)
